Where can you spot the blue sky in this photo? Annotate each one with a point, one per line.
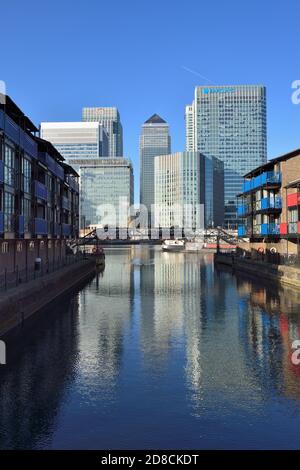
(58, 56)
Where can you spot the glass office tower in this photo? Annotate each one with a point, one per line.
(229, 122)
(104, 182)
(109, 117)
(188, 179)
(75, 140)
(154, 140)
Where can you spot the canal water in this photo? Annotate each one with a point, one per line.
(161, 350)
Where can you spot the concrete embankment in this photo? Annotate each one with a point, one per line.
(286, 275)
(16, 305)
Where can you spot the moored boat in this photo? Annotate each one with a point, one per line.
(173, 245)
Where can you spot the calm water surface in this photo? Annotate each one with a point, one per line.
(162, 350)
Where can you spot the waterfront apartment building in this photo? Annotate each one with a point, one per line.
(39, 195)
(105, 183)
(189, 191)
(109, 117)
(154, 140)
(269, 205)
(77, 140)
(229, 123)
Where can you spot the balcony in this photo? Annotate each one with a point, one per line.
(293, 199)
(1, 223)
(66, 230)
(1, 171)
(40, 191)
(270, 229)
(268, 177)
(269, 204)
(65, 203)
(40, 226)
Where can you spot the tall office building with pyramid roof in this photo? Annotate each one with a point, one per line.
(154, 140)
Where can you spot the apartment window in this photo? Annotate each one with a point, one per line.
(9, 166)
(26, 172)
(8, 211)
(19, 247)
(31, 246)
(26, 211)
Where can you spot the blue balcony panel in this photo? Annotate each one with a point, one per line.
(1, 223)
(12, 130)
(267, 203)
(242, 231)
(20, 224)
(268, 177)
(1, 171)
(30, 146)
(40, 226)
(40, 191)
(270, 229)
(1, 119)
(66, 230)
(242, 210)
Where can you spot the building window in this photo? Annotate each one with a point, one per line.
(8, 212)
(42, 245)
(19, 247)
(9, 166)
(26, 172)
(31, 246)
(4, 247)
(26, 211)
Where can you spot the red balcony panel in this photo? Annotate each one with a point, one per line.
(283, 229)
(299, 227)
(293, 199)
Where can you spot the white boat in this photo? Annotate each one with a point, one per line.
(194, 245)
(173, 245)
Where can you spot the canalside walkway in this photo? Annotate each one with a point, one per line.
(280, 273)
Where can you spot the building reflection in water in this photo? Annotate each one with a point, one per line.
(269, 323)
(105, 311)
(41, 363)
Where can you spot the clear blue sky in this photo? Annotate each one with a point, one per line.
(58, 56)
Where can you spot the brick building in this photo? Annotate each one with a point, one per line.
(269, 206)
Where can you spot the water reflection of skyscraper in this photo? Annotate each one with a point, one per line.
(269, 323)
(44, 359)
(101, 345)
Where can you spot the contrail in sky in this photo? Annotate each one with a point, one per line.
(196, 73)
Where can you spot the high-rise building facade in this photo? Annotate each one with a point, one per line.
(76, 140)
(229, 123)
(105, 182)
(189, 190)
(189, 128)
(109, 117)
(154, 140)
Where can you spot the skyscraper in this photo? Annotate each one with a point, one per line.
(229, 122)
(110, 119)
(76, 140)
(187, 183)
(154, 140)
(105, 182)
